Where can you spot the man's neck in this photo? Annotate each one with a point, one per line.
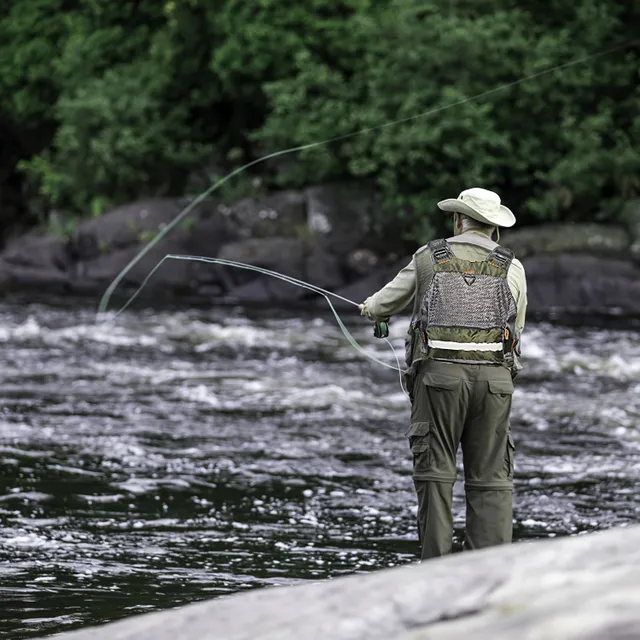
(477, 232)
(474, 236)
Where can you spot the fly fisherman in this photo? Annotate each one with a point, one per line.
(470, 298)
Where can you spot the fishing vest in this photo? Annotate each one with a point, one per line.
(467, 313)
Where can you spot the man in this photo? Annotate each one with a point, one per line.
(462, 353)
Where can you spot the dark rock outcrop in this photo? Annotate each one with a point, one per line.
(588, 284)
(362, 288)
(339, 216)
(319, 236)
(284, 255)
(324, 269)
(279, 214)
(590, 239)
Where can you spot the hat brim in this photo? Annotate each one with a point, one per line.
(503, 217)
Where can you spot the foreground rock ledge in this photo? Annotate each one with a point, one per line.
(585, 587)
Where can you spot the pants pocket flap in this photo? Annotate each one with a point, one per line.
(501, 387)
(439, 381)
(418, 429)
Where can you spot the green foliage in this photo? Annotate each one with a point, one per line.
(561, 145)
(108, 102)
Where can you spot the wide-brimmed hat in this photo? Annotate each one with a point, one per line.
(482, 205)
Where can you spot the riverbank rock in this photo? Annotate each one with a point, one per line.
(362, 262)
(362, 288)
(582, 283)
(318, 235)
(339, 216)
(578, 588)
(279, 214)
(631, 214)
(590, 239)
(282, 255)
(39, 252)
(36, 261)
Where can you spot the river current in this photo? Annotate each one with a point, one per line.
(181, 454)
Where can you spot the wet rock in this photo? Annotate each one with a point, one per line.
(593, 239)
(264, 290)
(583, 587)
(280, 214)
(103, 247)
(98, 273)
(35, 261)
(126, 226)
(38, 251)
(283, 255)
(361, 262)
(15, 277)
(323, 269)
(269, 253)
(581, 282)
(339, 216)
(361, 289)
(631, 214)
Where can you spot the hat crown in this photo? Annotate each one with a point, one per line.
(480, 197)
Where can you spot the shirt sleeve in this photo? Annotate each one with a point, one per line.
(394, 297)
(518, 284)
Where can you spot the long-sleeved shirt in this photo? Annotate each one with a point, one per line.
(394, 297)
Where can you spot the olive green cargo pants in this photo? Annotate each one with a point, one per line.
(453, 404)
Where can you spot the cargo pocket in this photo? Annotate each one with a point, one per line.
(501, 388)
(510, 456)
(440, 402)
(419, 435)
(498, 403)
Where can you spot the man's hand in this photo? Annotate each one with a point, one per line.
(363, 310)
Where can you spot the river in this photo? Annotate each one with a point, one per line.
(185, 453)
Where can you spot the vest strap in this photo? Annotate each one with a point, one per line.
(440, 251)
(500, 257)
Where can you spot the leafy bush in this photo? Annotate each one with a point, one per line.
(112, 101)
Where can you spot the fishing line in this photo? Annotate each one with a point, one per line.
(291, 280)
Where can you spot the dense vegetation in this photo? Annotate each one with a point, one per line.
(103, 102)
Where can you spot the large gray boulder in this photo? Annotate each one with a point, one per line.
(36, 261)
(37, 251)
(582, 283)
(339, 216)
(282, 255)
(102, 247)
(631, 215)
(578, 588)
(124, 227)
(324, 269)
(362, 288)
(590, 239)
(279, 214)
